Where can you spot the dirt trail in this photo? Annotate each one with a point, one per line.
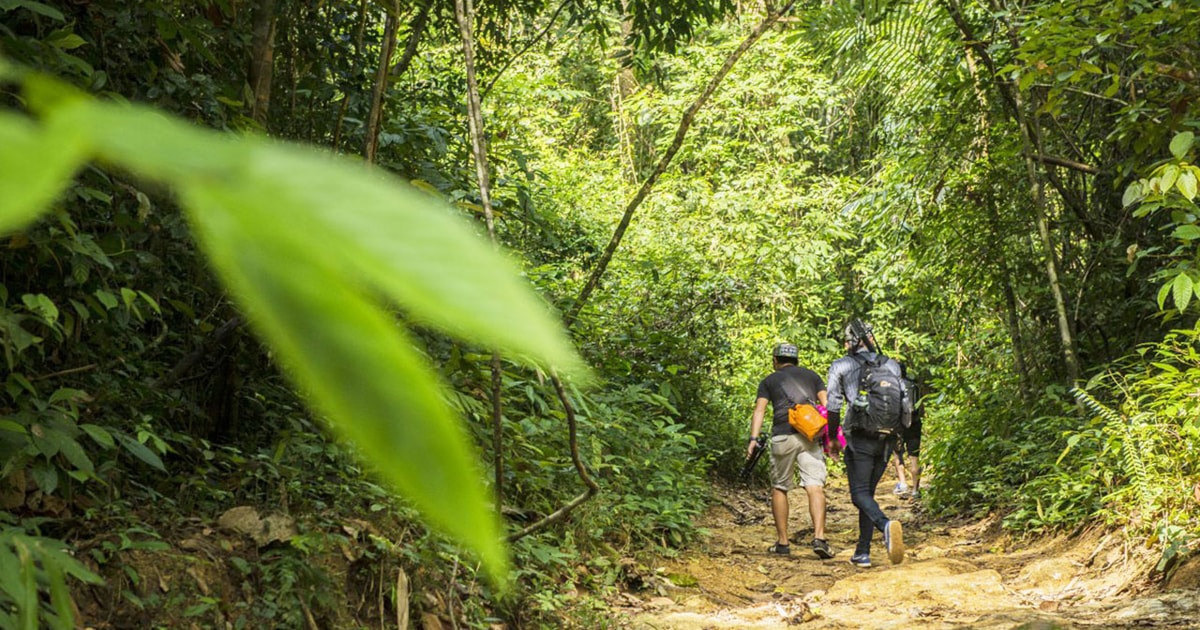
(957, 575)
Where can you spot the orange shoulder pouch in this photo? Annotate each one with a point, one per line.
(806, 420)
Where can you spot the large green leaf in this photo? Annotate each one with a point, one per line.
(315, 248)
(311, 245)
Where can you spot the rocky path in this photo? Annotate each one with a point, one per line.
(964, 574)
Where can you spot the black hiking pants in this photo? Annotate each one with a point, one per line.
(866, 458)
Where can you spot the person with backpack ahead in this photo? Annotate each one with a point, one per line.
(788, 386)
(867, 384)
(908, 447)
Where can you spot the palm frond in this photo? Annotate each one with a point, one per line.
(899, 49)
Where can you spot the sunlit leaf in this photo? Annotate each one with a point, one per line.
(1181, 143)
(1167, 179)
(1187, 232)
(1181, 291)
(41, 305)
(1146, 208)
(151, 301)
(1187, 184)
(106, 298)
(1163, 292)
(1133, 193)
(65, 40)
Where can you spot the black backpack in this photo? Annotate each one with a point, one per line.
(879, 406)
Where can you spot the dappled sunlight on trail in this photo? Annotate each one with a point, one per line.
(958, 574)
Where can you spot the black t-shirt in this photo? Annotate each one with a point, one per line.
(803, 385)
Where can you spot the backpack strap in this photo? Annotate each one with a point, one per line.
(795, 383)
(863, 363)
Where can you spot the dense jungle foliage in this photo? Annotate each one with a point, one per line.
(196, 314)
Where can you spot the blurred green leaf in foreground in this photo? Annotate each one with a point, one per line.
(316, 249)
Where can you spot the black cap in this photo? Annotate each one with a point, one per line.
(786, 351)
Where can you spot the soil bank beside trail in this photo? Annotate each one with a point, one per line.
(957, 574)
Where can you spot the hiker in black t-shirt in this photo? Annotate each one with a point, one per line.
(867, 452)
(787, 386)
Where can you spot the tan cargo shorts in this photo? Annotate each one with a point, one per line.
(789, 451)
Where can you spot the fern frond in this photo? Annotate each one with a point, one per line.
(1135, 469)
(1096, 407)
(1126, 430)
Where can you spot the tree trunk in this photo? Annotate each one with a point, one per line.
(1011, 311)
(1043, 227)
(1010, 95)
(415, 31)
(386, 49)
(1010, 299)
(262, 59)
(390, 28)
(463, 11)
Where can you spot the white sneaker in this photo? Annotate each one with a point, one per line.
(893, 539)
(901, 488)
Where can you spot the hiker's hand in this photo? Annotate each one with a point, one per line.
(750, 448)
